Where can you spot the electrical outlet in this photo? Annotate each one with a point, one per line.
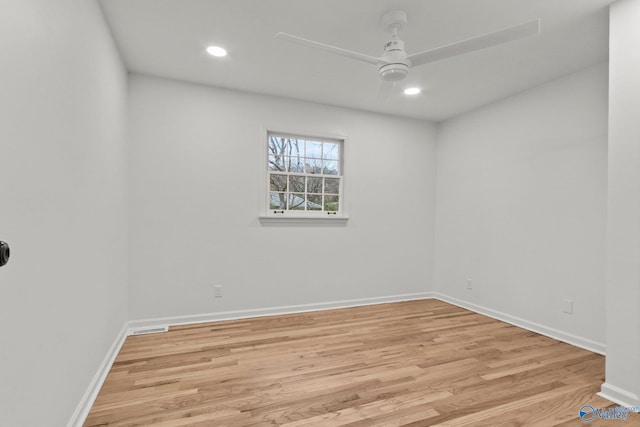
(567, 306)
(469, 284)
(217, 291)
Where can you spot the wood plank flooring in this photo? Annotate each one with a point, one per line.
(418, 363)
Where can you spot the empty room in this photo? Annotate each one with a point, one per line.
(319, 213)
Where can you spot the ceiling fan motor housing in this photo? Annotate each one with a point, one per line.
(393, 45)
(396, 66)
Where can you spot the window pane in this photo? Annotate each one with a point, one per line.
(295, 164)
(276, 163)
(296, 202)
(296, 184)
(332, 185)
(330, 167)
(314, 166)
(314, 185)
(277, 145)
(314, 149)
(331, 203)
(278, 201)
(314, 202)
(278, 182)
(331, 151)
(295, 147)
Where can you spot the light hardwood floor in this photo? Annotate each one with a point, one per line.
(418, 363)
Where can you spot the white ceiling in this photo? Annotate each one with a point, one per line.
(168, 38)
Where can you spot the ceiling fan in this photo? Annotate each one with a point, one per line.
(394, 64)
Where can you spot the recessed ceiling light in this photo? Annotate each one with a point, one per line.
(216, 51)
(412, 91)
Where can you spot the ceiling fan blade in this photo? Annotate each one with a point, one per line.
(476, 43)
(328, 48)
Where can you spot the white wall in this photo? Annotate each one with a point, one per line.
(195, 199)
(623, 214)
(62, 205)
(521, 205)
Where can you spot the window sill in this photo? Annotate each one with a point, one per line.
(303, 220)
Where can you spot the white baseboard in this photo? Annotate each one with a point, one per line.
(82, 410)
(271, 311)
(575, 340)
(620, 396)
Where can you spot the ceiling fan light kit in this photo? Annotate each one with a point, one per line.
(393, 72)
(395, 63)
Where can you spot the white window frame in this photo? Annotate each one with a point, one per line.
(269, 215)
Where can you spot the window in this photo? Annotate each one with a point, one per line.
(304, 176)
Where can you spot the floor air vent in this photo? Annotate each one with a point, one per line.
(146, 331)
